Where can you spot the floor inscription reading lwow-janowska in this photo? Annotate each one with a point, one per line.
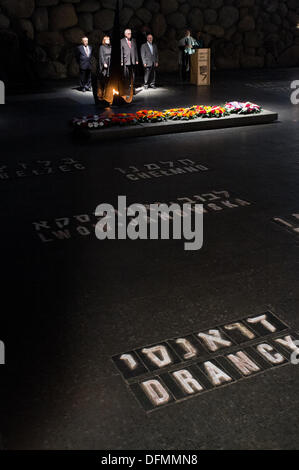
(183, 367)
(83, 225)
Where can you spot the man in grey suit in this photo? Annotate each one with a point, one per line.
(129, 56)
(150, 59)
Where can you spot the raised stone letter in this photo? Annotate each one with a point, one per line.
(242, 328)
(188, 383)
(129, 361)
(191, 351)
(155, 391)
(287, 342)
(213, 340)
(216, 375)
(263, 320)
(243, 363)
(158, 355)
(265, 350)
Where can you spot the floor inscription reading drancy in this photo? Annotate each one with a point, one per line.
(183, 367)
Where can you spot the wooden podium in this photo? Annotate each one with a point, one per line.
(201, 67)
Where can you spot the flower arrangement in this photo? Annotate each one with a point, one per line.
(151, 116)
(235, 107)
(98, 121)
(179, 113)
(211, 111)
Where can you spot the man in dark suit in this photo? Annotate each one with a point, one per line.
(129, 56)
(150, 59)
(83, 56)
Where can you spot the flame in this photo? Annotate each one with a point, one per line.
(115, 92)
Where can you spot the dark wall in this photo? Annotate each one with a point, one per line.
(38, 36)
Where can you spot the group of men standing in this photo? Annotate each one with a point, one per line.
(129, 60)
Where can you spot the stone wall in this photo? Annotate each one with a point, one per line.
(241, 33)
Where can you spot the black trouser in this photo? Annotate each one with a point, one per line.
(85, 78)
(150, 75)
(129, 74)
(185, 67)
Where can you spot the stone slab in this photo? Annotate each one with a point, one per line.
(171, 127)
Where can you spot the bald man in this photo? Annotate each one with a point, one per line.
(150, 59)
(83, 56)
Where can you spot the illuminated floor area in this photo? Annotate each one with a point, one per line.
(75, 304)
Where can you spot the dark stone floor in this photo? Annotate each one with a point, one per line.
(70, 305)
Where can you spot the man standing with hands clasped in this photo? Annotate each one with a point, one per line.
(83, 56)
(129, 56)
(150, 59)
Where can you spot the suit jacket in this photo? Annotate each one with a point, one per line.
(149, 58)
(83, 60)
(129, 56)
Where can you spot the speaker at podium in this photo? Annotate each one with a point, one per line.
(200, 73)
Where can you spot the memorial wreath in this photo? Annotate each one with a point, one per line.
(174, 114)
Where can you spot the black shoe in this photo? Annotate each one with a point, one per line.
(153, 86)
(88, 89)
(83, 90)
